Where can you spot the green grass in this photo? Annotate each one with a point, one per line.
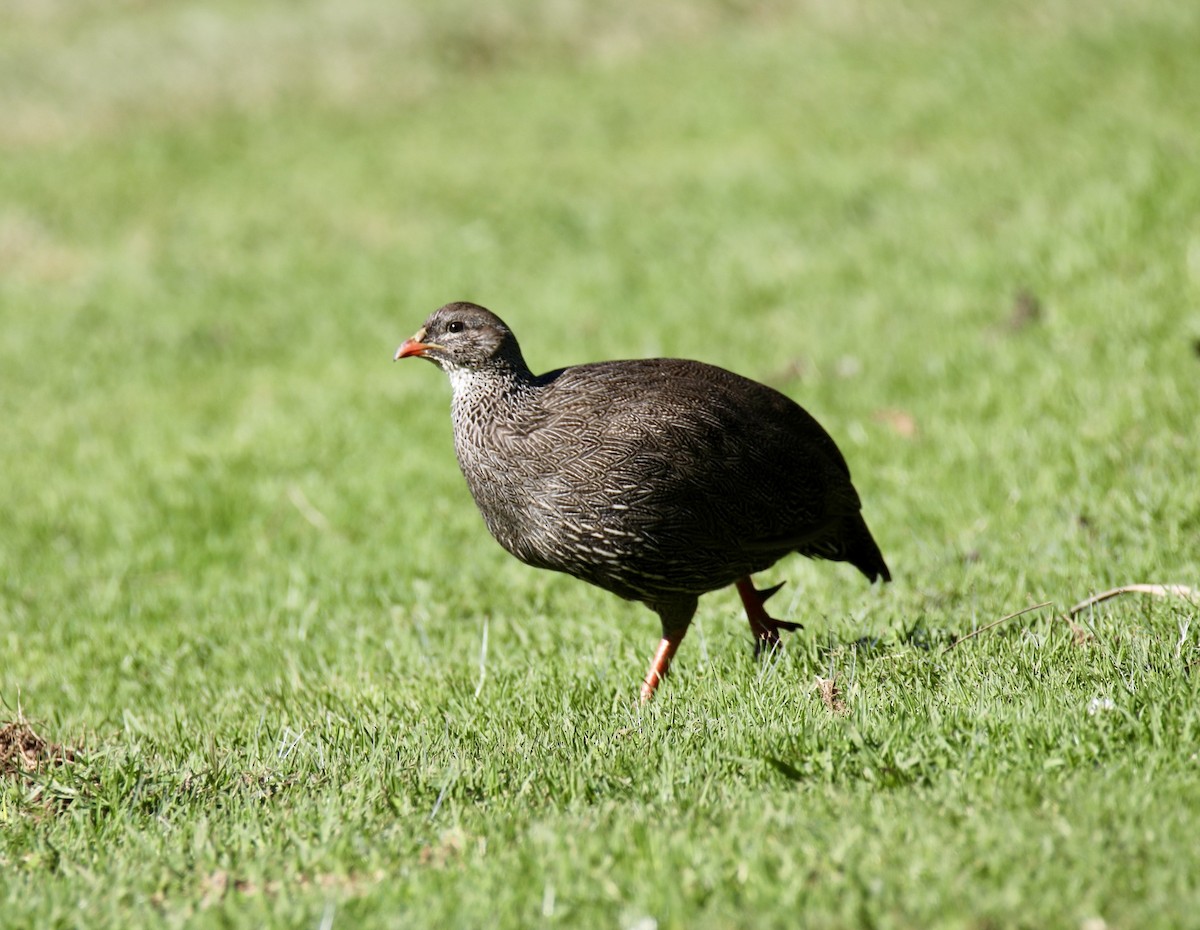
(239, 566)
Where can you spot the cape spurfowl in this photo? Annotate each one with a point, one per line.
(657, 479)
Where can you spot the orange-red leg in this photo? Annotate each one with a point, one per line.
(765, 627)
(676, 615)
(660, 663)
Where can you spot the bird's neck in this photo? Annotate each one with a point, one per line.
(474, 385)
(481, 395)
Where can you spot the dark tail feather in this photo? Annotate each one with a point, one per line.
(861, 550)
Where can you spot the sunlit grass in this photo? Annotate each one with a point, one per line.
(240, 568)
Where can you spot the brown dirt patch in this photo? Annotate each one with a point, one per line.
(23, 750)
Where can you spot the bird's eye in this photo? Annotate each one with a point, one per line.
(455, 326)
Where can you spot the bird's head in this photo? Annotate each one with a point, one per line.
(464, 337)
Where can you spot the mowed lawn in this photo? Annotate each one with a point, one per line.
(253, 633)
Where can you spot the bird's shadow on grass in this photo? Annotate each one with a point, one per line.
(917, 636)
(856, 752)
(788, 771)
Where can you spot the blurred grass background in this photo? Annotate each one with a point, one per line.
(239, 563)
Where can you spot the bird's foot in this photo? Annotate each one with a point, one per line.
(765, 627)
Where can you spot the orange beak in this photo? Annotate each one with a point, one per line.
(414, 346)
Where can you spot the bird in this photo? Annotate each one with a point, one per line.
(657, 479)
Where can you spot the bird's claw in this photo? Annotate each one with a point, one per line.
(765, 627)
(766, 633)
(767, 593)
